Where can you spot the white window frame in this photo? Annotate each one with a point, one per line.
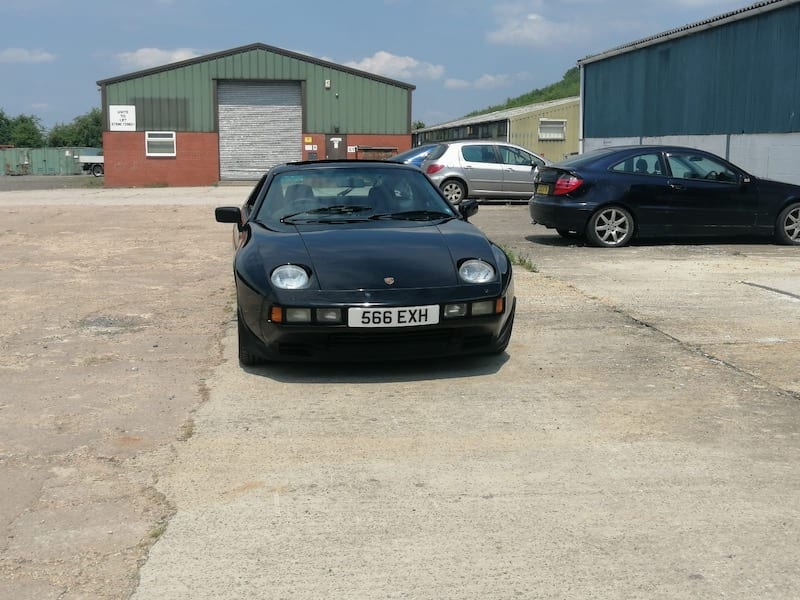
(160, 137)
(552, 129)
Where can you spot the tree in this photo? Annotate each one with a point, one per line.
(5, 129)
(26, 132)
(417, 125)
(85, 130)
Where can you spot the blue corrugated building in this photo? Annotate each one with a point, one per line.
(729, 84)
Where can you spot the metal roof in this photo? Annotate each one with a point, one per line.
(499, 115)
(250, 48)
(719, 20)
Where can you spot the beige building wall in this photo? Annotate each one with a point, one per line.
(525, 131)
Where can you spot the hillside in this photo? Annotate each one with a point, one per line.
(568, 86)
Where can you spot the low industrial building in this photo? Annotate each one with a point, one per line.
(231, 115)
(549, 129)
(729, 84)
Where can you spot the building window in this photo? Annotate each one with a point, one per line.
(159, 143)
(552, 129)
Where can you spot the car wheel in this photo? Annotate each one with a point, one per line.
(610, 227)
(97, 170)
(247, 357)
(453, 190)
(787, 229)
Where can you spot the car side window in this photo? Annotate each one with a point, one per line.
(641, 164)
(686, 165)
(514, 156)
(478, 153)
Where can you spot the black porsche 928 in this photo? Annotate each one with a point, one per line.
(364, 260)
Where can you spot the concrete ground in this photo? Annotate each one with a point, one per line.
(639, 439)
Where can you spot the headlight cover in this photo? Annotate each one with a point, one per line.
(476, 271)
(289, 277)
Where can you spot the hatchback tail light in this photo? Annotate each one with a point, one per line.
(434, 168)
(566, 184)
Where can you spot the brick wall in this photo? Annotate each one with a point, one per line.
(401, 142)
(196, 163)
(197, 160)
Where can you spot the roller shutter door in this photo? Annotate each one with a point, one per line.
(260, 125)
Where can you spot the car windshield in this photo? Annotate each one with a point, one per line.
(331, 194)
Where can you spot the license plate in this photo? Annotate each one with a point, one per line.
(543, 189)
(402, 316)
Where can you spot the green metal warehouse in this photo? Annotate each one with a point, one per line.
(729, 84)
(231, 115)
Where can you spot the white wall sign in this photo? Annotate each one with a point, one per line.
(121, 117)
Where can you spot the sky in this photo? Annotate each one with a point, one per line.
(462, 55)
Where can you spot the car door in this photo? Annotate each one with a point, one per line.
(644, 188)
(518, 168)
(707, 195)
(482, 169)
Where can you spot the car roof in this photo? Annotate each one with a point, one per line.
(504, 143)
(610, 152)
(646, 147)
(306, 165)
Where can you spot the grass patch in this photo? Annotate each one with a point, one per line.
(521, 261)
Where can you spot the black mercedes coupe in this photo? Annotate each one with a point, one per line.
(614, 194)
(363, 260)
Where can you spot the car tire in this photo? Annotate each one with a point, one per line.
(787, 228)
(247, 356)
(453, 190)
(97, 170)
(610, 227)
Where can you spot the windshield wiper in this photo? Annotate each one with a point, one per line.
(338, 209)
(416, 215)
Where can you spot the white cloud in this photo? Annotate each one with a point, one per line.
(519, 25)
(23, 55)
(144, 58)
(484, 82)
(397, 67)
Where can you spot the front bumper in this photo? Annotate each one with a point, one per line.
(325, 342)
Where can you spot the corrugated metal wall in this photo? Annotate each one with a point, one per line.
(182, 98)
(43, 161)
(742, 77)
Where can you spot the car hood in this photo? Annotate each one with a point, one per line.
(402, 256)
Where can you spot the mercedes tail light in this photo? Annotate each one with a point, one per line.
(566, 183)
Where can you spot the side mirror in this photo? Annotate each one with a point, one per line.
(229, 214)
(467, 208)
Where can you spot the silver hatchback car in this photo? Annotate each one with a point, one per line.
(482, 169)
